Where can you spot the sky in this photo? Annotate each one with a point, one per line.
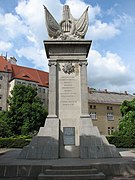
(111, 59)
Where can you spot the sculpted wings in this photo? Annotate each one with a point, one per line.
(53, 28)
(81, 25)
(69, 28)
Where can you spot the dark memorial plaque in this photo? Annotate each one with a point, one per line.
(69, 135)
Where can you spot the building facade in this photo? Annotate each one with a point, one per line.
(12, 74)
(104, 109)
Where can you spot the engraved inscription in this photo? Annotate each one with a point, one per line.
(68, 95)
(69, 135)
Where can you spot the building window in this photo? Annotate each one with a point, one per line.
(1, 77)
(109, 108)
(18, 82)
(93, 115)
(23, 83)
(0, 96)
(34, 85)
(43, 90)
(92, 106)
(110, 130)
(110, 117)
(0, 108)
(39, 90)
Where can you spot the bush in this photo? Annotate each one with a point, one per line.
(12, 142)
(122, 141)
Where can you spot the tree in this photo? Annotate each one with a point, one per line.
(127, 122)
(125, 136)
(26, 112)
(4, 128)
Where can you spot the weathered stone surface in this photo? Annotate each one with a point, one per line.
(92, 144)
(10, 171)
(46, 144)
(74, 173)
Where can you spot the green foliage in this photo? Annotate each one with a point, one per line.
(127, 122)
(26, 113)
(121, 141)
(4, 128)
(18, 142)
(125, 136)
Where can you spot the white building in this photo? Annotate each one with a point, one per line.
(12, 74)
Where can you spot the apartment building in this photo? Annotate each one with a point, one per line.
(12, 74)
(104, 109)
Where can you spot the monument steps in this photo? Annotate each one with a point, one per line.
(73, 177)
(74, 173)
(69, 171)
(70, 167)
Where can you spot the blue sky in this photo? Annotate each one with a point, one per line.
(111, 28)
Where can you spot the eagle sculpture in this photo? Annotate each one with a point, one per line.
(69, 28)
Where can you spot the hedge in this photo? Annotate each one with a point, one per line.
(122, 141)
(18, 142)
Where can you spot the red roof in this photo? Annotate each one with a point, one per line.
(4, 65)
(25, 73)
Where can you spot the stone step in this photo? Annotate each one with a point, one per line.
(56, 167)
(99, 176)
(70, 171)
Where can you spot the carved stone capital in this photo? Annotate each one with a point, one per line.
(52, 64)
(83, 63)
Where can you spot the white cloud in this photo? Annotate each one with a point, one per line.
(37, 56)
(5, 46)
(77, 8)
(108, 71)
(11, 27)
(103, 31)
(34, 16)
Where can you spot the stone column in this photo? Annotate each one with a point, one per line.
(52, 89)
(84, 88)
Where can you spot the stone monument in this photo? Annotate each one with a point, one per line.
(68, 129)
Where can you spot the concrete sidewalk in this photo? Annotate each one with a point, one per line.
(10, 165)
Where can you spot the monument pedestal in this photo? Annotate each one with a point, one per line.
(68, 130)
(46, 144)
(92, 144)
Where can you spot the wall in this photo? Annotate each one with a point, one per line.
(101, 120)
(4, 85)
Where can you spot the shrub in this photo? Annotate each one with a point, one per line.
(12, 142)
(122, 141)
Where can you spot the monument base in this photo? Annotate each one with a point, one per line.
(92, 144)
(46, 144)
